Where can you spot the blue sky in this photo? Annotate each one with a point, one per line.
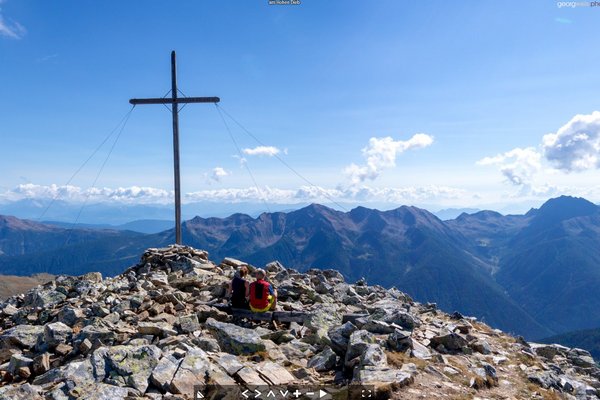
(489, 85)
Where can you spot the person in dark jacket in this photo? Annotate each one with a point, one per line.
(263, 297)
(239, 289)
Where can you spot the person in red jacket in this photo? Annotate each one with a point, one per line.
(263, 297)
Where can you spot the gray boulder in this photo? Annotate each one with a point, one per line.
(420, 351)
(163, 373)
(230, 363)
(481, 346)
(399, 341)
(93, 333)
(26, 336)
(102, 391)
(163, 329)
(545, 379)
(189, 323)
(378, 327)
(581, 358)
(402, 319)
(207, 343)
(193, 370)
(80, 372)
(324, 361)
(357, 345)
(18, 361)
(21, 392)
(70, 315)
(47, 298)
(373, 356)
(451, 341)
(340, 335)
(235, 339)
(128, 365)
(57, 333)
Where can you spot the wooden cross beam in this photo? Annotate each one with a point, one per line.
(175, 101)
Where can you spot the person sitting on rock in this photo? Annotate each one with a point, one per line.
(263, 297)
(239, 289)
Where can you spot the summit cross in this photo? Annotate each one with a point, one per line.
(174, 101)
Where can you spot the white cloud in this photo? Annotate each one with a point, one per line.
(576, 145)
(269, 151)
(381, 153)
(11, 29)
(517, 165)
(219, 173)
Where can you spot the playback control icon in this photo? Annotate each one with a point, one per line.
(292, 392)
(283, 394)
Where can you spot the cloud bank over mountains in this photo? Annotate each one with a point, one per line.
(149, 195)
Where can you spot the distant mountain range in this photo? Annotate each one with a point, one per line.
(115, 214)
(140, 225)
(536, 274)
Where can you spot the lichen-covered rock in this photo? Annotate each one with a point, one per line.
(235, 339)
(357, 345)
(189, 323)
(94, 333)
(373, 356)
(47, 298)
(131, 366)
(163, 373)
(26, 336)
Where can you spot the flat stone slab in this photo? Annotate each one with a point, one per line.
(274, 373)
(375, 376)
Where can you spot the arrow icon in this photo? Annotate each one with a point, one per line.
(258, 393)
(322, 393)
(245, 393)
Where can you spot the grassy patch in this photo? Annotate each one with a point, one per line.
(397, 359)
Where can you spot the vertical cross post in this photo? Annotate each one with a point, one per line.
(177, 176)
(174, 101)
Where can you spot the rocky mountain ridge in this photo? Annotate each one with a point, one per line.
(159, 330)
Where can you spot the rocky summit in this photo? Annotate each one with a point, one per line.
(161, 329)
